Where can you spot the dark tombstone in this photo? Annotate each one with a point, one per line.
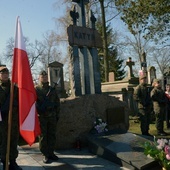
(56, 79)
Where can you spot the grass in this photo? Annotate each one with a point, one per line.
(134, 127)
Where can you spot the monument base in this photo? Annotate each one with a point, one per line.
(124, 149)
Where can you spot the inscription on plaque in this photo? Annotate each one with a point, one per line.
(82, 36)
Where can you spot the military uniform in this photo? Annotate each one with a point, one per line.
(167, 94)
(4, 107)
(48, 107)
(142, 97)
(159, 103)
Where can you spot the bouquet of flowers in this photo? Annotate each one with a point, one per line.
(100, 125)
(160, 151)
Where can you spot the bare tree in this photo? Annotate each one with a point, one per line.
(162, 59)
(34, 51)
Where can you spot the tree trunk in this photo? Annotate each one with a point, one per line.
(104, 37)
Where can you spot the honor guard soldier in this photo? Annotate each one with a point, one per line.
(144, 103)
(159, 105)
(5, 85)
(48, 107)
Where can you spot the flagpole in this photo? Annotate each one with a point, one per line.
(9, 125)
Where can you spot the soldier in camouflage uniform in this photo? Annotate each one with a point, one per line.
(159, 106)
(48, 107)
(4, 109)
(142, 97)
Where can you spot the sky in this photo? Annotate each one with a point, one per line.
(36, 16)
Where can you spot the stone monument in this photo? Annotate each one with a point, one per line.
(151, 74)
(56, 78)
(130, 63)
(83, 41)
(144, 64)
(79, 111)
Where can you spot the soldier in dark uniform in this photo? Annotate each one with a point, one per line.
(167, 94)
(142, 97)
(159, 106)
(4, 109)
(48, 107)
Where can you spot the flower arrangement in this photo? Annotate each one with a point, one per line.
(100, 126)
(160, 151)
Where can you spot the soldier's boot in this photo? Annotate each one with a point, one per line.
(14, 166)
(53, 157)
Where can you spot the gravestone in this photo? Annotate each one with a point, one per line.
(143, 61)
(130, 63)
(83, 41)
(111, 77)
(56, 78)
(124, 149)
(144, 64)
(151, 74)
(131, 78)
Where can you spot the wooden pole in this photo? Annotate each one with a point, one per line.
(9, 125)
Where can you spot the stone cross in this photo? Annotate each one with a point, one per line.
(93, 20)
(81, 11)
(143, 62)
(74, 15)
(130, 63)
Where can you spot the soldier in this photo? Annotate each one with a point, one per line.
(142, 97)
(159, 103)
(167, 93)
(4, 109)
(48, 107)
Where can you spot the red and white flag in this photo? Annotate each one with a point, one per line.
(21, 75)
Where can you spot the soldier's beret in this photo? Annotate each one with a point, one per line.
(3, 69)
(142, 77)
(43, 73)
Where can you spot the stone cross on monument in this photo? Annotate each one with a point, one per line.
(83, 41)
(130, 63)
(143, 63)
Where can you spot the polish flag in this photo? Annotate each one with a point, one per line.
(21, 75)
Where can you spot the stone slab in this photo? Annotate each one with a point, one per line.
(124, 149)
